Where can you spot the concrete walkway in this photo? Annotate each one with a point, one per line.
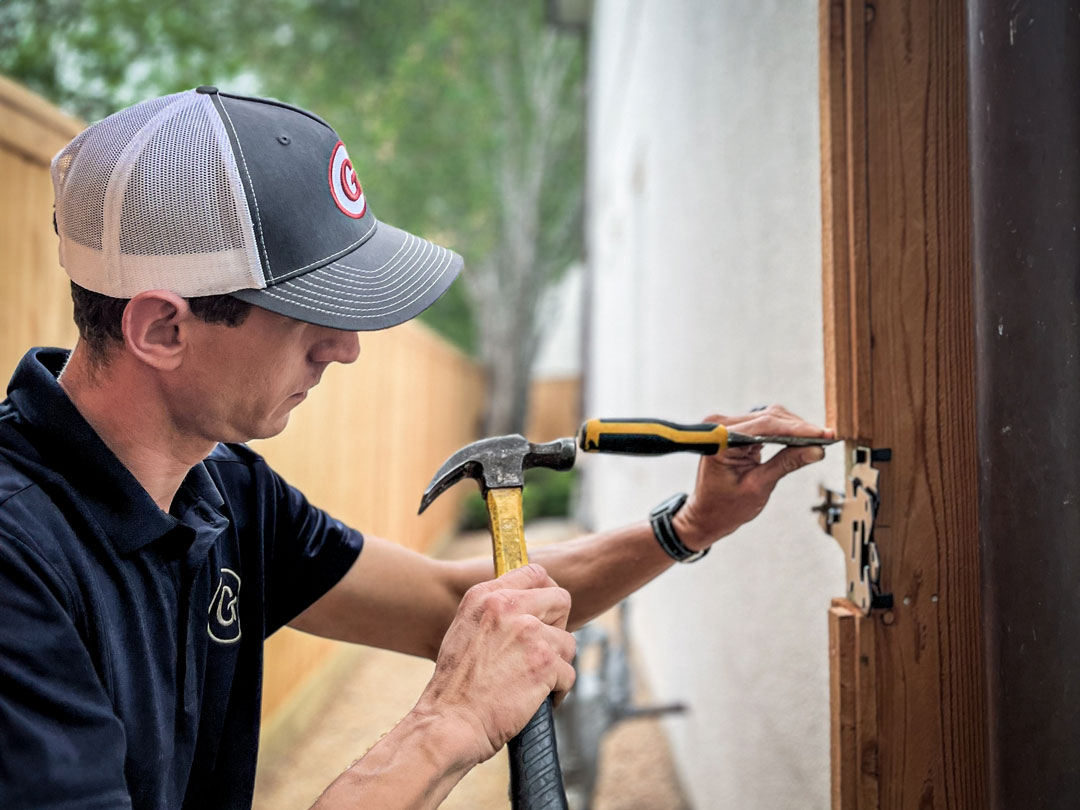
(377, 688)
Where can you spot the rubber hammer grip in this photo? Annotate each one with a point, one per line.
(651, 437)
(535, 776)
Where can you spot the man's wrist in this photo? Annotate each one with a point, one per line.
(452, 739)
(684, 525)
(415, 765)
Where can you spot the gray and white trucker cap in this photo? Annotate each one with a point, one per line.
(205, 193)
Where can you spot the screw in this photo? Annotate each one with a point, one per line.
(888, 617)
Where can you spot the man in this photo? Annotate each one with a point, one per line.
(222, 255)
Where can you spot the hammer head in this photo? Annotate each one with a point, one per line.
(498, 463)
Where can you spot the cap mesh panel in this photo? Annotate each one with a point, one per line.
(178, 198)
(88, 162)
(151, 198)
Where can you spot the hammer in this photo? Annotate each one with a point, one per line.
(498, 465)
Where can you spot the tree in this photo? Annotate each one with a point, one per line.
(466, 119)
(512, 87)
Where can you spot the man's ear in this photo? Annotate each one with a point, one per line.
(153, 330)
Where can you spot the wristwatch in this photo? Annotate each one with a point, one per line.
(664, 531)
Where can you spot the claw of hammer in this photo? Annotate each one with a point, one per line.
(498, 463)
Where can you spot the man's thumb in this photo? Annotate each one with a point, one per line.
(787, 461)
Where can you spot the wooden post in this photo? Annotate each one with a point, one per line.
(1025, 119)
(853, 695)
(899, 352)
(835, 287)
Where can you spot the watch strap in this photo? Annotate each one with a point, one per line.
(664, 530)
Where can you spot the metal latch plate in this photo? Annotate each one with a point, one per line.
(849, 519)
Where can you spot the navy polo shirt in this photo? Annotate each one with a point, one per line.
(131, 639)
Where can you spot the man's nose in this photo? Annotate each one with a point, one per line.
(336, 346)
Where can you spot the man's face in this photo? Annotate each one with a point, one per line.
(239, 383)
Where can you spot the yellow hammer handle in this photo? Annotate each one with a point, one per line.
(507, 532)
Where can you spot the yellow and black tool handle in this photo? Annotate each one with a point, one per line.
(651, 437)
(536, 781)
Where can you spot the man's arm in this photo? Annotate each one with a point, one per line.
(506, 650)
(731, 489)
(400, 600)
(397, 599)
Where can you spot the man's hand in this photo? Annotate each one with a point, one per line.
(506, 650)
(733, 486)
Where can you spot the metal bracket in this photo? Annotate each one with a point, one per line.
(849, 518)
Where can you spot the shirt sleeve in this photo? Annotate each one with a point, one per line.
(61, 745)
(307, 551)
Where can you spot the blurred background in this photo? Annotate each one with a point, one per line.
(635, 189)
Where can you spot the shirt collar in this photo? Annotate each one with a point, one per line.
(67, 442)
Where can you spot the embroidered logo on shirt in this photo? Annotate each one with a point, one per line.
(223, 623)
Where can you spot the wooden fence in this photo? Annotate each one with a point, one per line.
(35, 305)
(554, 408)
(362, 446)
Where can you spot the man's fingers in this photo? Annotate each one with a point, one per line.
(771, 420)
(553, 657)
(564, 680)
(765, 415)
(768, 424)
(787, 461)
(528, 589)
(734, 419)
(746, 454)
(549, 605)
(773, 424)
(532, 575)
(562, 642)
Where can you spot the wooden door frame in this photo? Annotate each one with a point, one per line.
(907, 683)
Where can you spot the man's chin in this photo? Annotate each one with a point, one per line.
(267, 430)
(273, 429)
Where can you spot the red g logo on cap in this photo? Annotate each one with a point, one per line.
(344, 187)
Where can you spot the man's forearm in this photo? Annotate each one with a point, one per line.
(505, 651)
(597, 569)
(414, 767)
(397, 599)
(603, 568)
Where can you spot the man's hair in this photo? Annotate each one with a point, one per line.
(99, 317)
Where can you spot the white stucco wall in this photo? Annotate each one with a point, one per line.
(559, 352)
(704, 250)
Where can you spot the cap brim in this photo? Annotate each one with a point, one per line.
(390, 278)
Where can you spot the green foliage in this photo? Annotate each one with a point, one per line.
(474, 514)
(94, 56)
(431, 96)
(548, 493)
